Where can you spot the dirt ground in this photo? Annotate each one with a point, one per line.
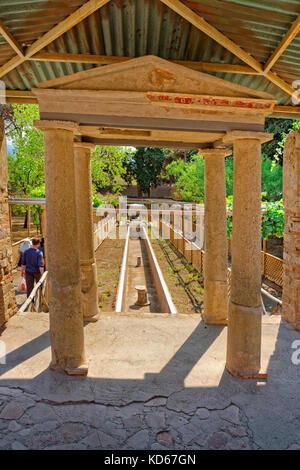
(109, 260)
(184, 282)
(18, 230)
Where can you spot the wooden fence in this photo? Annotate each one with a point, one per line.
(272, 267)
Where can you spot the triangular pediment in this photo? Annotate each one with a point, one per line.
(151, 73)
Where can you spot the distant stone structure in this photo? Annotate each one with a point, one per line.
(8, 305)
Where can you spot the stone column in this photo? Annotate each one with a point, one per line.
(8, 305)
(66, 325)
(291, 254)
(88, 269)
(215, 230)
(245, 309)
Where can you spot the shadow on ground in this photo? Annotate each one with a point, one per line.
(154, 382)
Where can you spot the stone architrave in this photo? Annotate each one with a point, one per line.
(245, 309)
(66, 325)
(291, 256)
(216, 251)
(8, 305)
(88, 269)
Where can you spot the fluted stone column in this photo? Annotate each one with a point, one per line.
(88, 270)
(245, 309)
(215, 230)
(66, 325)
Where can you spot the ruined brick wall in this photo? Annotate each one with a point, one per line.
(7, 293)
(291, 253)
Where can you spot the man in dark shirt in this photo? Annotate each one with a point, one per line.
(32, 265)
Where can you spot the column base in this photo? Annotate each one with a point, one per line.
(215, 302)
(79, 370)
(244, 341)
(261, 375)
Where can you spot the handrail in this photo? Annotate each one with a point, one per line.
(38, 289)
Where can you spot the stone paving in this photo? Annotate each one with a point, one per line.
(154, 383)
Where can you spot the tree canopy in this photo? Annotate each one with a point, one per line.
(26, 161)
(145, 166)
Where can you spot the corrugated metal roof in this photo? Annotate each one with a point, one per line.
(139, 27)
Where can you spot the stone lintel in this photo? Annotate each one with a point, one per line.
(216, 152)
(231, 136)
(46, 125)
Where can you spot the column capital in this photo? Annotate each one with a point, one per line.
(215, 152)
(84, 145)
(45, 125)
(231, 136)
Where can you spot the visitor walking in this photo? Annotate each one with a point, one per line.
(25, 245)
(32, 265)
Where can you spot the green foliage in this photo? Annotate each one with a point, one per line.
(229, 204)
(277, 127)
(146, 165)
(108, 165)
(278, 156)
(36, 211)
(273, 219)
(189, 178)
(26, 163)
(96, 200)
(271, 178)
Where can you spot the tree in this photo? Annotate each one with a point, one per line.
(108, 166)
(146, 166)
(26, 161)
(277, 127)
(189, 178)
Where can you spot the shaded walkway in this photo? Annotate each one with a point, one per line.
(154, 381)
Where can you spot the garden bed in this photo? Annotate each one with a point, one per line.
(184, 282)
(109, 259)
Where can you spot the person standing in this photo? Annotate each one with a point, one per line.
(32, 265)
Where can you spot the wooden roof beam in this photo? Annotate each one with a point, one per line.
(106, 60)
(72, 20)
(213, 33)
(284, 43)
(10, 39)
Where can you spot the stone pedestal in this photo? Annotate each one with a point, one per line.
(291, 255)
(66, 325)
(215, 229)
(245, 309)
(89, 284)
(8, 305)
